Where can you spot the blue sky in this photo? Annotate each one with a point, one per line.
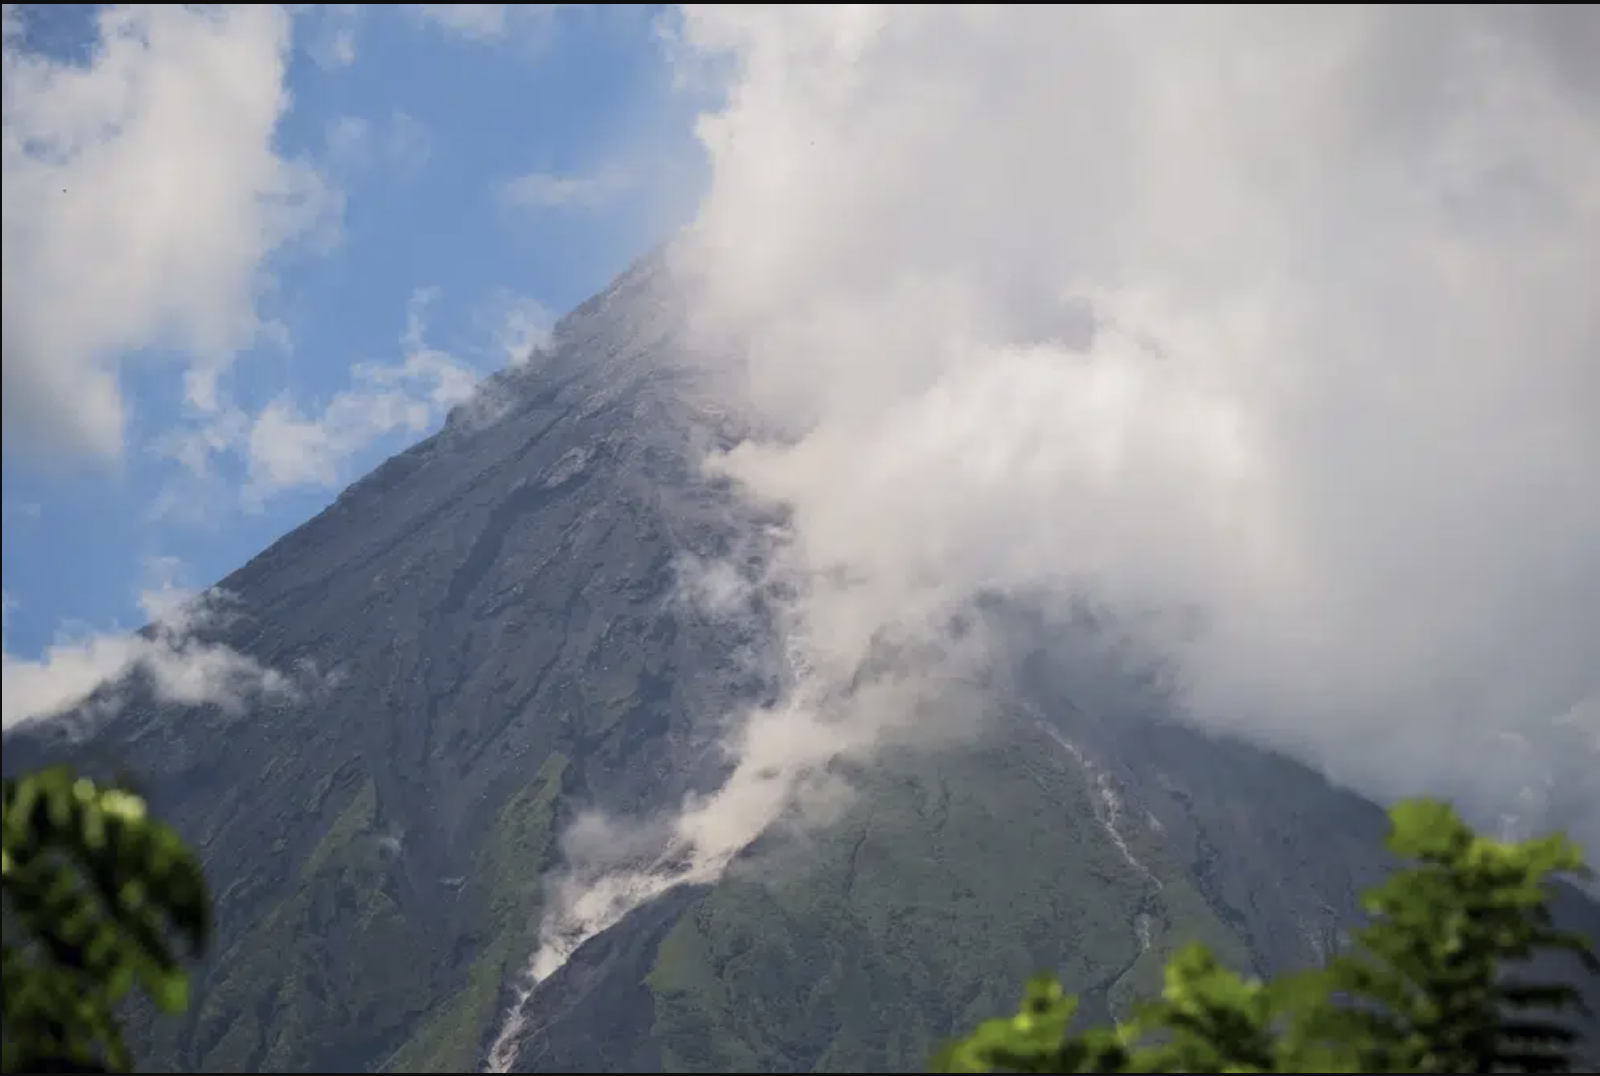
(422, 191)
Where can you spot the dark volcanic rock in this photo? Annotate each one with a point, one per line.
(596, 1014)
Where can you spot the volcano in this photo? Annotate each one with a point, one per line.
(494, 640)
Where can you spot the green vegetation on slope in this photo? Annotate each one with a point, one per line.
(952, 878)
(353, 964)
(293, 992)
(516, 854)
(1432, 986)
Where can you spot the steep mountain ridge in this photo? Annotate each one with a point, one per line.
(493, 621)
(493, 631)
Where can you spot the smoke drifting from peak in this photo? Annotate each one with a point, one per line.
(1274, 330)
(782, 758)
(1281, 325)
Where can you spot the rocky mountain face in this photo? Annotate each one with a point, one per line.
(496, 623)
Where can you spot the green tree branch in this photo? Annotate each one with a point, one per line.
(93, 888)
(1429, 987)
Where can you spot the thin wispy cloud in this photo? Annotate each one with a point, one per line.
(289, 448)
(518, 326)
(289, 444)
(407, 143)
(486, 23)
(237, 458)
(549, 190)
(398, 146)
(332, 39)
(175, 661)
(20, 511)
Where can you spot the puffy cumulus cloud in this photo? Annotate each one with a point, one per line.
(1278, 327)
(177, 663)
(142, 194)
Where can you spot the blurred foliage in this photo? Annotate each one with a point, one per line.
(1430, 985)
(93, 888)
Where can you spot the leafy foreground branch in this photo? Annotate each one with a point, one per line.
(93, 886)
(1429, 986)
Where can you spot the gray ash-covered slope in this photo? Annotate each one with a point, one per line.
(493, 614)
(494, 611)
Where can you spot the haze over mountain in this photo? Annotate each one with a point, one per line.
(1284, 335)
(521, 672)
(904, 580)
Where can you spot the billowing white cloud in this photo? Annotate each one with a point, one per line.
(1281, 324)
(1275, 329)
(142, 196)
(178, 665)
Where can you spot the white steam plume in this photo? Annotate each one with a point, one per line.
(782, 769)
(1285, 317)
(1284, 321)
